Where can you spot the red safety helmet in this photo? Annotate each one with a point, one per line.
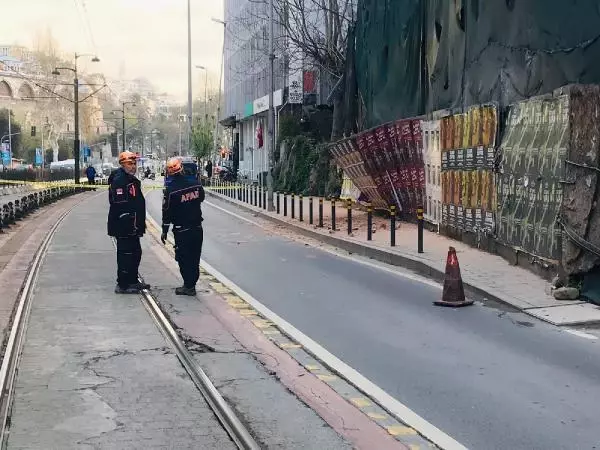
(127, 156)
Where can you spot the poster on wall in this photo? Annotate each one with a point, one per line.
(467, 169)
(347, 156)
(529, 187)
(388, 165)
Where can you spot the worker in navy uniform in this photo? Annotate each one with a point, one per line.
(182, 208)
(127, 223)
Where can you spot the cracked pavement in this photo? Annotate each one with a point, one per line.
(96, 373)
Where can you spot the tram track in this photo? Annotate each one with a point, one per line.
(227, 417)
(18, 329)
(15, 341)
(231, 423)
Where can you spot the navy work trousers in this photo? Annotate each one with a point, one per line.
(188, 248)
(129, 255)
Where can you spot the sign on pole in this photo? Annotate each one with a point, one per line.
(39, 157)
(296, 89)
(5, 150)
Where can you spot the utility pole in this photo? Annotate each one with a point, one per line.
(189, 117)
(10, 136)
(220, 79)
(76, 142)
(271, 121)
(123, 118)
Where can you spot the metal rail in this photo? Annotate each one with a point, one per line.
(232, 424)
(14, 345)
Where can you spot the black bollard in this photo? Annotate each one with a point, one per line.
(293, 206)
(420, 220)
(320, 212)
(369, 222)
(285, 204)
(349, 206)
(278, 205)
(301, 208)
(393, 226)
(333, 214)
(310, 210)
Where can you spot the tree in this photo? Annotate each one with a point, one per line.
(15, 130)
(202, 140)
(312, 34)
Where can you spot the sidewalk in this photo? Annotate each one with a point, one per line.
(485, 275)
(96, 371)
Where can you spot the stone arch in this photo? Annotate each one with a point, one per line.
(5, 89)
(26, 92)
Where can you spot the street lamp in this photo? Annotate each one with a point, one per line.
(76, 142)
(205, 95)
(220, 78)
(190, 123)
(122, 111)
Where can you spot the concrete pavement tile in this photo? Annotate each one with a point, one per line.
(568, 315)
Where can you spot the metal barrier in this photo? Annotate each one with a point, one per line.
(13, 210)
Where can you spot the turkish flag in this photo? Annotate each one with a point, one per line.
(259, 134)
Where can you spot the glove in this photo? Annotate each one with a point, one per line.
(163, 238)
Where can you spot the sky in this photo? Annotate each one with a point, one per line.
(132, 38)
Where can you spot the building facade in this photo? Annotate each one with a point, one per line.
(247, 81)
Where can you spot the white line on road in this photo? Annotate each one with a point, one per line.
(385, 400)
(354, 258)
(402, 412)
(581, 334)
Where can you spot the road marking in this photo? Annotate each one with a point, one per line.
(382, 398)
(289, 345)
(377, 416)
(271, 332)
(237, 216)
(581, 334)
(361, 402)
(327, 378)
(389, 403)
(399, 430)
(394, 271)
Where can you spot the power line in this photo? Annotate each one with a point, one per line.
(89, 26)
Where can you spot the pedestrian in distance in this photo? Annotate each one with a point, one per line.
(90, 173)
(209, 171)
(127, 223)
(182, 207)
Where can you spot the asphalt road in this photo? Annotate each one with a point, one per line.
(491, 379)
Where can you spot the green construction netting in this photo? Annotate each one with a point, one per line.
(417, 56)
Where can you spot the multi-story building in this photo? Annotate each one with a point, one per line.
(247, 80)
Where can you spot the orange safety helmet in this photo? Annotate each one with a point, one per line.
(174, 166)
(127, 156)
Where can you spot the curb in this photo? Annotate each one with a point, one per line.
(377, 254)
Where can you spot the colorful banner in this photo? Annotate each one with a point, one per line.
(529, 190)
(348, 157)
(468, 160)
(5, 153)
(390, 159)
(39, 157)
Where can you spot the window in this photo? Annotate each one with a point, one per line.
(428, 174)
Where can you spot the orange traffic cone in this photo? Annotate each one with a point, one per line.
(454, 293)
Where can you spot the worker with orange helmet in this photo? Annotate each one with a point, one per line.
(182, 207)
(127, 222)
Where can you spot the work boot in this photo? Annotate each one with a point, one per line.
(185, 291)
(128, 290)
(141, 286)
